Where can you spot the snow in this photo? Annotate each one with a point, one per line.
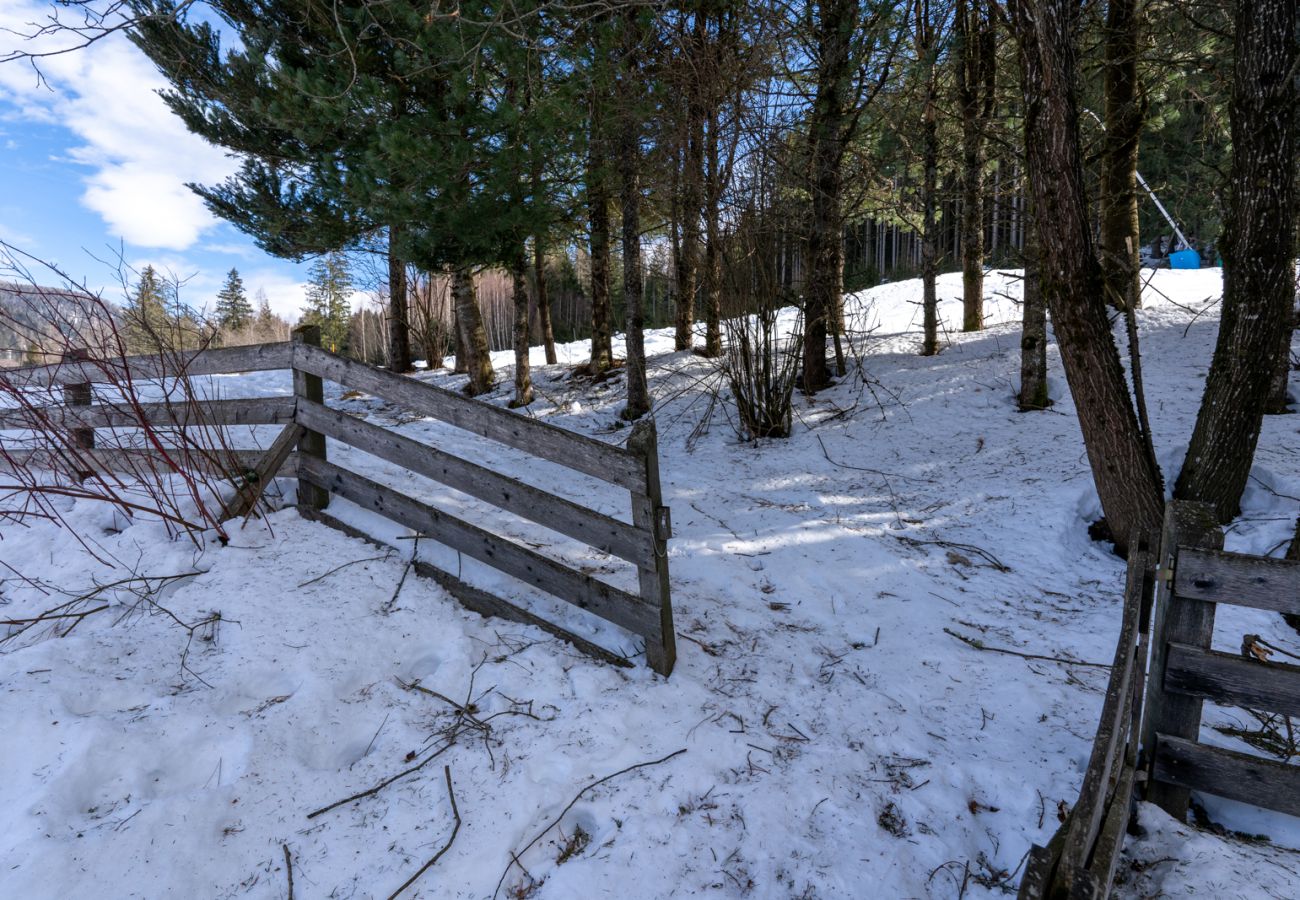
(840, 740)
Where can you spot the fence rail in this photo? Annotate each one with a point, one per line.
(182, 363)
(645, 612)
(258, 411)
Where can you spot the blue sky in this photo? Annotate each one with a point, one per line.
(93, 166)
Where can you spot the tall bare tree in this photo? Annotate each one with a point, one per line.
(1125, 112)
(1258, 252)
(851, 48)
(929, 20)
(1127, 478)
(631, 96)
(976, 67)
(1033, 332)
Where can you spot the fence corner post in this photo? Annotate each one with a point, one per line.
(312, 443)
(1180, 620)
(649, 513)
(79, 394)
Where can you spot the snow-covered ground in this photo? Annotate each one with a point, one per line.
(841, 738)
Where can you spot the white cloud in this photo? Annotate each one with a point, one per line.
(139, 154)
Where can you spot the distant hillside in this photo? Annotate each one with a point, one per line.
(33, 316)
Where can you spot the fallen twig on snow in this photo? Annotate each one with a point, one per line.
(980, 645)
(344, 566)
(288, 868)
(953, 545)
(50, 615)
(385, 783)
(446, 771)
(514, 857)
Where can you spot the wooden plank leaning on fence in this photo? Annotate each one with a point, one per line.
(1080, 859)
(253, 485)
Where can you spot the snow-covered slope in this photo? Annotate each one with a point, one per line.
(844, 736)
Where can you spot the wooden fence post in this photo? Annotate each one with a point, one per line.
(312, 443)
(79, 394)
(649, 513)
(1184, 621)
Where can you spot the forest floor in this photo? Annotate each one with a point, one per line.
(850, 726)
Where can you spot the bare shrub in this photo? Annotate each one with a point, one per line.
(763, 329)
(431, 316)
(163, 455)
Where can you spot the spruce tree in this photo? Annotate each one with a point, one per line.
(327, 300)
(148, 326)
(234, 312)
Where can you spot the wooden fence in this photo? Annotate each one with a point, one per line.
(1151, 717)
(647, 612)
(1185, 673)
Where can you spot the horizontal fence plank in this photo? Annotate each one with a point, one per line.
(595, 529)
(576, 451)
(256, 411)
(1258, 582)
(476, 599)
(221, 361)
(620, 607)
(1233, 680)
(126, 461)
(1227, 773)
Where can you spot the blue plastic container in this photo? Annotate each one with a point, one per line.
(1185, 259)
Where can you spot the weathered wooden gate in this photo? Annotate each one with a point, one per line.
(1149, 738)
(647, 612)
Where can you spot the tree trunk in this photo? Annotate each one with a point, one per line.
(629, 165)
(929, 186)
(460, 364)
(827, 125)
(1127, 481)
(1120, 259)
(523, 373)
(602, 349)
(1033, 335)
(691, 203)
(473, 338)
(1279, 397)
(543, 300)
(976, 72)
(711, 277)
(1258, 243)
(399, 329)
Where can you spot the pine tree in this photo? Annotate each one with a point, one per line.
(327, 300)
(148, 326)
(234, 312)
